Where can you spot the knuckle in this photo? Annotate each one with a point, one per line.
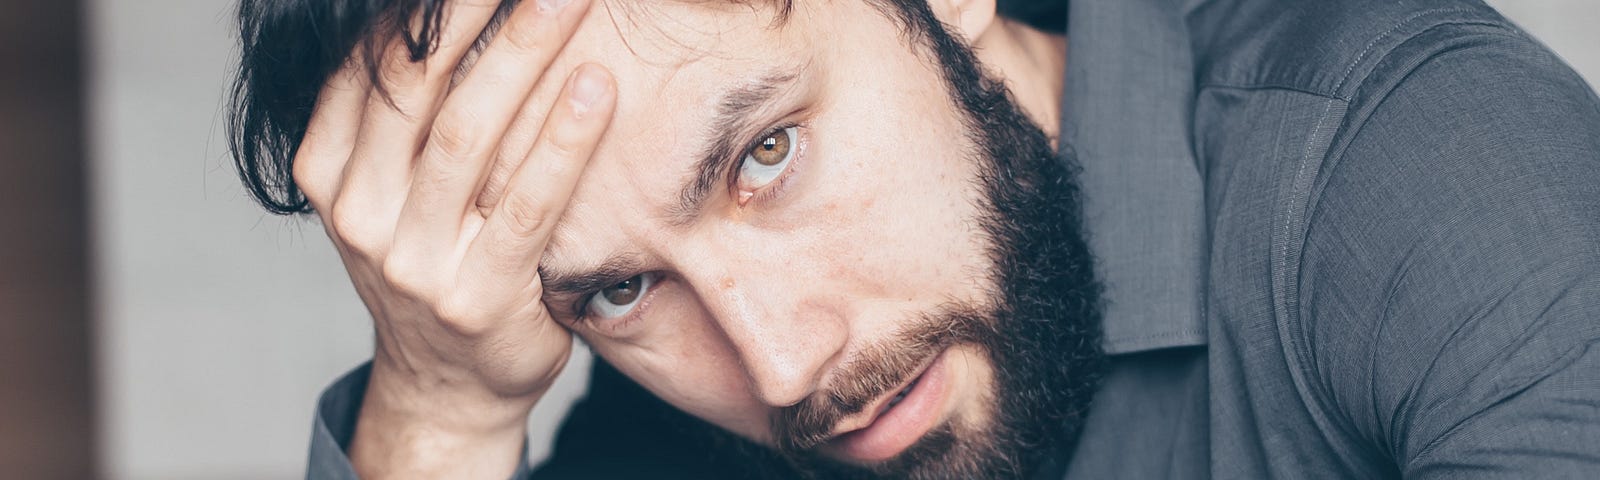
(452, 133)
(308, 179)
(524, 214)
(565, 144)
(405, 275)
(461, 316)
(302, 171)
(353, 228)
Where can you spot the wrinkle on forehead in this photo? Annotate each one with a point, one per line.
(675, 40)
(646, 14)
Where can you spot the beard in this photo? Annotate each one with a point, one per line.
(1040, 328)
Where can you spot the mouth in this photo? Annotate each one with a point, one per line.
(896, 421)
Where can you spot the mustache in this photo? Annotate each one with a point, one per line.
(876, 371)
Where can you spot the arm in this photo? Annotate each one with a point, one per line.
(1453, 268)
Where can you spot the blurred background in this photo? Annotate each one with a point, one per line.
(154, 324)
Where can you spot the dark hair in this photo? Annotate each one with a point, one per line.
(289, 48)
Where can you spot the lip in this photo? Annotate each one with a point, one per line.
(882, 432)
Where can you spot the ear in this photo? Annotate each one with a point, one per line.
(971, 18)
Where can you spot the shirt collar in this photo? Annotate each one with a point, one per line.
(1125, 114)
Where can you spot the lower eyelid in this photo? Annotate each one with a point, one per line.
(614, 325)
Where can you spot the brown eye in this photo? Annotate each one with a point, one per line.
(619, 299)
(773, 149)
(768, 158)
(622, 293)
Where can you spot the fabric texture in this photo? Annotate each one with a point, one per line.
(1125, 113)
(1341, 239)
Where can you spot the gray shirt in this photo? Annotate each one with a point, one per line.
(1399, 242)
(1341, 239)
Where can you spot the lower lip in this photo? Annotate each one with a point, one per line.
(902, 425)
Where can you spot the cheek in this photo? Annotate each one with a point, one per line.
(905, 180)
(682, 360)
(892, 209)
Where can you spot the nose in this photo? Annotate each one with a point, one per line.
(785, 338)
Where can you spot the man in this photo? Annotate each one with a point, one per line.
(1339, 239)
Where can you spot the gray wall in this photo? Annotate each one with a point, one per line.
(219, 324)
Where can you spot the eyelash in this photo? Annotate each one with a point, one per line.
(582, 316)
(772, 189)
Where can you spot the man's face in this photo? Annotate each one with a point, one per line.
(783, 232)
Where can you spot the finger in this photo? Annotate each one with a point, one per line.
(396, 118)
(318, 165)
(514, 147)
(472, 121)
(507, 250)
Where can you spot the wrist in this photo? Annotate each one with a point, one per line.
(444, 404)
(405, 432)
(385, 447)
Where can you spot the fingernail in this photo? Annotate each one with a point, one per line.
(552, 5)
(588, 88)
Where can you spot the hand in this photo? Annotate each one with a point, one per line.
(464, 346)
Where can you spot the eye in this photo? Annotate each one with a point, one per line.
(767, 159)
(620, 299)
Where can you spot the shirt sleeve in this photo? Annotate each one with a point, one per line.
(335, 425)
(1451, 277)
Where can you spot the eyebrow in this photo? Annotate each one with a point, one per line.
(736, 111)
(564, 283)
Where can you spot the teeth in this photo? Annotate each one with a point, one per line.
(901, 396)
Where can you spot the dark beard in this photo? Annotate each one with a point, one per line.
(1041, 334)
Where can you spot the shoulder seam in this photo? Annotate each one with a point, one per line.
(1331, 81)
(1345, 77)
(1350, 71)
(1361, 103)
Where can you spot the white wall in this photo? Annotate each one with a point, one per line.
(219, 324)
